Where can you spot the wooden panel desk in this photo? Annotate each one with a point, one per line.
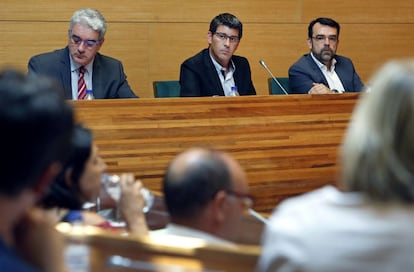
(287, 144)
(107, 252)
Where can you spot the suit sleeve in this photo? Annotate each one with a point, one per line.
(356, 81)
(32, 66)
(124, 90)
(189, 81)
(300, 81)
(251, 90)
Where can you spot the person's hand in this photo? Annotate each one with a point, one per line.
(131, 204)
(319, 88)
(39, 242)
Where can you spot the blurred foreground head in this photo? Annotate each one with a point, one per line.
(36, 126)
(378, 152)
(206, 189)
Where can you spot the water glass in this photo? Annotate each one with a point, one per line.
(112, 187)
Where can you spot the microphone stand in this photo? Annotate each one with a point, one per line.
(262, 63)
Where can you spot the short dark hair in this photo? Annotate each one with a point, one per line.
(36, 127)
(187, 193)
(228, 20)
(323, 21)
(60, 194)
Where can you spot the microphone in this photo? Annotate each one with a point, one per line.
(273, 77)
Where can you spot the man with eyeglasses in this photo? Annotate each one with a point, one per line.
(206, 194)
(322, 71)
(80, 66)
(215, 71)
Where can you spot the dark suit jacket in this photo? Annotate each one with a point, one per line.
(108, 78)
(305, 72)
(198, 76)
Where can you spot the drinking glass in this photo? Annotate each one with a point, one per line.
(112, 187)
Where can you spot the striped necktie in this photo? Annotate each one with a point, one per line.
(81, 84)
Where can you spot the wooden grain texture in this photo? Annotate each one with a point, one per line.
(287, 144)
(360, 12)
(172, 11)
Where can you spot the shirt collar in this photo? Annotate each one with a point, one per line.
(181, 230)
(220, 68)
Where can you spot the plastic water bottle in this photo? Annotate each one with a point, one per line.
(234, 91)
(77, 253)
(89, 95)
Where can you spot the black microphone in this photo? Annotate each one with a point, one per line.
(273, 77)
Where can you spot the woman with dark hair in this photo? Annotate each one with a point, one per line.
(80, 181)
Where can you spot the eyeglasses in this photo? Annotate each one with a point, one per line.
(224, 37)
(322, 38)
(246, 198)
(88, 43)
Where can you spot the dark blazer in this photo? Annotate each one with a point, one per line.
(305, 72)
(198, 76)
(108, 78)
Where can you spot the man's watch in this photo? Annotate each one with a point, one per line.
(335, 91)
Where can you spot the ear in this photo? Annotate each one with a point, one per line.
(220, 206)
(100, 45)
(309, 42)
(209, 37)
(47, 178)
(68, 177)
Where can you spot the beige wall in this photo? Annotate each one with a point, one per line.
(152, 38)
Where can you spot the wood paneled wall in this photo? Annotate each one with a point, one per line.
(152, 38)
(288, 145)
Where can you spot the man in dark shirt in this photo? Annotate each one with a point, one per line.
(215, 70)
(37, 125)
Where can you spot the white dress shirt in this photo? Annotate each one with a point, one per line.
(178, 230)
(74, 68)
(329, 230)
(331, 76)
(227, 80)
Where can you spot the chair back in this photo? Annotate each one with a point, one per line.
(98, 250)
(166, 88)
(274, 87)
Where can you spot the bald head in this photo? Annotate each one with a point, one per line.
(195, 176)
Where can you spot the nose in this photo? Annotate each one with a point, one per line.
(227, 42)
(81, 46)
(327, 41)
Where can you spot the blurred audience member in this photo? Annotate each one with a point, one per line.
(80, 181)
(206, 194)
(37, 126)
